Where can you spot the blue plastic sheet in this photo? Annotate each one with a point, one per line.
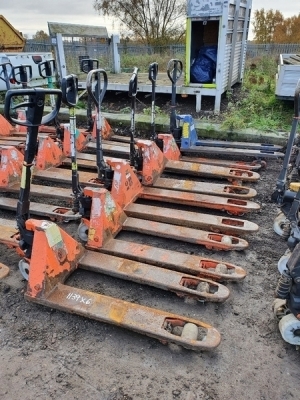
(203, 69)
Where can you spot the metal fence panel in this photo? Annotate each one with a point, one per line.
(101, 51)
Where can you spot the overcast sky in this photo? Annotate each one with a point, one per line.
(30, 16)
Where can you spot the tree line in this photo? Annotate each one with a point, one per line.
(162, 22)
(270, 26)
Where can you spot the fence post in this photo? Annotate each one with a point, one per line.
(115, 39)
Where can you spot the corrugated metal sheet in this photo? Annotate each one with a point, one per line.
(287, 78)
(10, 38)
(77, 30)
(226, 65)
(236, 64)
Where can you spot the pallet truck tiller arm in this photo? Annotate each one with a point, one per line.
(153, 71)
(136, 157)
(34, 116)
(174, 71)
(278, 194)
(87, 65)
(69, 88)
(105, 172)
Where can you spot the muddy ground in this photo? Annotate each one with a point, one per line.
(49, 354)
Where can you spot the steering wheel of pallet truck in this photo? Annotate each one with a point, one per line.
(174, 70)
(153, 71)
(133, 83)
(36, 100)
(95, 76)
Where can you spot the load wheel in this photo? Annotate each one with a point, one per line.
(83, 232)
(280, 309)
(289, 327)
(283, 261)
(281, 226)
(189, 331)
(24, 268)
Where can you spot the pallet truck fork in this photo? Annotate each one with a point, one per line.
(51, 255)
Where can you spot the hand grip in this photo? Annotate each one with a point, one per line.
(47, 68)
(174, 70)
(88, 64)
(95, 75)
(153, 71)
(23, 71)
(69, 88)
(133, 83)
(35, 104)
(6, 71)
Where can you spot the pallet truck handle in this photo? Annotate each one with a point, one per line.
(174, 70)
(6, 72)
(153, 71)
(88, 64)
(69, 88)
(37, 93)
(24, 72)
(96, 74)
(133, 83)
(278, 194)
(47, 68)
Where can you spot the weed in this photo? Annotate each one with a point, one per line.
(148, 110)
(125, 110)
(257, 106)
(210, 128)
(81, 104)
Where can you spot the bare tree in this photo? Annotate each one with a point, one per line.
(152, 22)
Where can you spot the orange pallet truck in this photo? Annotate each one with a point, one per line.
(51, 255)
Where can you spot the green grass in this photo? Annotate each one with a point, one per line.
(256, 105)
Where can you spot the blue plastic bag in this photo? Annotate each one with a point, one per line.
(203, 69)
